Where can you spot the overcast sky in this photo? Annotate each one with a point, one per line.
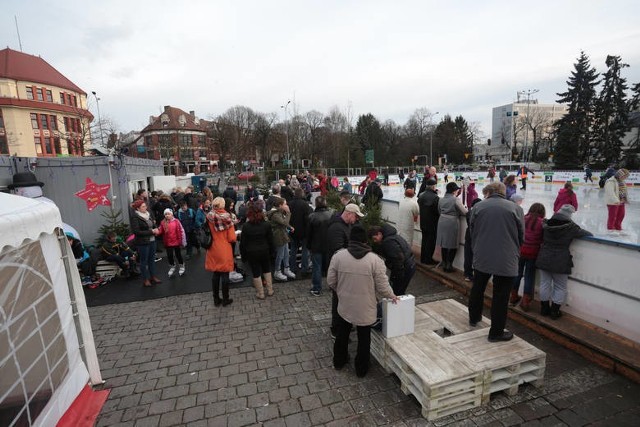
(381, 57)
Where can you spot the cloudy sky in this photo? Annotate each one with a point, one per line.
(381, 57)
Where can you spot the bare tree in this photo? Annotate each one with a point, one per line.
(314, 121)
(418, 127)
(537, 120)
(263, 134)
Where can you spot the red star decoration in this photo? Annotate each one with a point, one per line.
(95, 194)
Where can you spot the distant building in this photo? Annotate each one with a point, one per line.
(42, 113)
(525, 123)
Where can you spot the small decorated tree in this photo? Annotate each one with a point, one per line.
(113, 223)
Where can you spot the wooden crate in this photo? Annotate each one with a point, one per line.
(107, 270)
(505, 365)
(451, 315)
(442, 384)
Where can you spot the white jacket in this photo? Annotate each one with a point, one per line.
(612, 191)
(407, 210)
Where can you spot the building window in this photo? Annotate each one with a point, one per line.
(53, 122)
(38, 143)
(75, 101)
(39, 94)
(4, 146)
(49, 96)
(166, 147)
(34, 121)
(43, 121)
(56, 145)
(68, 99)
(61, 97)
(29, 92)
(1, 120)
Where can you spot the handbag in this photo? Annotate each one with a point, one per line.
(204, 237)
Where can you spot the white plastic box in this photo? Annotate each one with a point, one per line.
(398, 319)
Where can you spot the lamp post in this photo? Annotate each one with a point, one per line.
(287, 130)
(527, 92)
(99, 118)
(431, 139)
(111, 160)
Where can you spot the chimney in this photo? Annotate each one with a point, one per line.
(166, 108)
(192, 113)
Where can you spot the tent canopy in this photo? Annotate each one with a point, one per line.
(22, 218)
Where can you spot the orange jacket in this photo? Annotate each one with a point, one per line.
(220, 255)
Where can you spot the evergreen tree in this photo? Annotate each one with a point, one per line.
(115, 223)
(612, 112)
(369, 135)
(574, 143)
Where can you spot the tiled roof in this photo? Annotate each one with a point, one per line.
(173, 119)
(21, 66)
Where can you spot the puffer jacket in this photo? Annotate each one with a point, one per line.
(337, 235)
(395, 250)
(280, 225)
(172, 233)
(358, 276)
(558, 234)
(565, 197)
(299, 220)
(532, 237)
(317, 233)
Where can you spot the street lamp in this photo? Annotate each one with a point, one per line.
(99, 118)
(431, 139)
(527, 92)
(287, 130)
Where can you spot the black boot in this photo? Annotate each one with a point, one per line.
(545, 310)
(225, 291)
(445, 258)
(451, 256)
(215, 286)
(555, 311)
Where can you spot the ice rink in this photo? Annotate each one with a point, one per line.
(591, 214)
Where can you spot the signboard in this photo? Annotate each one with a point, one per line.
(368, 156)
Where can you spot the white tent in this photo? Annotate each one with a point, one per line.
(47, 352)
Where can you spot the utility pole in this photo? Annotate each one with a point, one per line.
(431, 139)
(286, 123)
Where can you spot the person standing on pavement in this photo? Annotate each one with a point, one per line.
(173, 238)
(257, 249)
(428, 202)
(143, 227)
(408, 212)
(219, 259)
(497, 232)
(358, 277)
(300, 211)
(337, 238)
(279, 217)
(451, 210)
(555, 261)
(316, 242)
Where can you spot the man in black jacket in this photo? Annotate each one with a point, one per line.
(373, 194)
(338, 238)
(300, 211)
(397, 256)
(429, 216)
(316, 242)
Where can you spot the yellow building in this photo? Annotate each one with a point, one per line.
(42, 113)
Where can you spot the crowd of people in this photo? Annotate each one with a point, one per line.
(284, 238)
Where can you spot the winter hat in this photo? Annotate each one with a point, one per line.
(358, 234)
(452, 187)
(28, 179)
(565, 212)
(431, 182)
(518, 198)
(168, 210)
(622, 173)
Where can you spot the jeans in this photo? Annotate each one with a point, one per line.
(282, 256)
(499, 303)
(293, 253)
(399, 283)
(317, 259)
(553, 286)
(526, 268)
(147, 260)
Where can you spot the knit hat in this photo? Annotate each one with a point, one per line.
(358, 234)
(519, 197)
(565, 212)
(622, 173)
(168, 210)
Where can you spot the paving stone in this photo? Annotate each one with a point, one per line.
(570, 418)
(129, 401)
(213, 410)
(171, 418)
(193, 414)
(266, 413)
(162, 406)
(535, 409)
(175, 391)
(289, 407)
(151, 396)
(330, 396)
(185, 402)
(241, 418)
(152, 421)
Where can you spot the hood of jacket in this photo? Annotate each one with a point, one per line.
(388, 230)
(272, 212)
(558, 226)
(358, 250)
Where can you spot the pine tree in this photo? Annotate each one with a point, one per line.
(114, 223)
(574, 142)
(612, 112)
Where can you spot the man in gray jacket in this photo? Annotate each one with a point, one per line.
(497, 231)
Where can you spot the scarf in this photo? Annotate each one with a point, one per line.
(220, 219)
(622, 190)
(146, 216)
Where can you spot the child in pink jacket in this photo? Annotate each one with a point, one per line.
(173, 238)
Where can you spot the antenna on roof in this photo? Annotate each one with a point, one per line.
(18, 31)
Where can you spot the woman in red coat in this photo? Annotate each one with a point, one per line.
(219, 258)
(566, 196)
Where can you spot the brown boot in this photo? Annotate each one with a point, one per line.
(514, 298)
(526, 302)
(268, 283)
(257, 283)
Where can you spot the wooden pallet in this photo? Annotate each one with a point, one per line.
(449, 366)
(107, 270)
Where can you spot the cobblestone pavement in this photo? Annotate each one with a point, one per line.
(182, 361)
